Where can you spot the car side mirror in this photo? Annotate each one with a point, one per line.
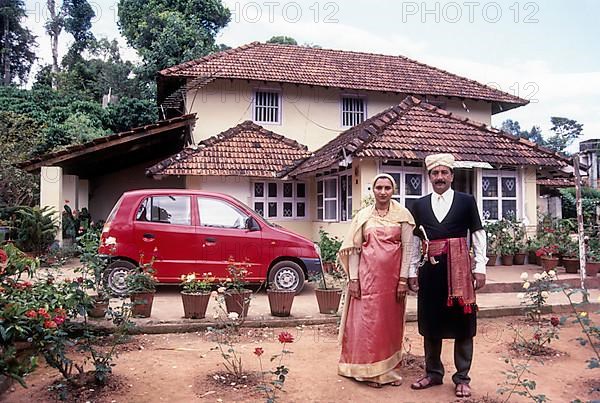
(251, 224)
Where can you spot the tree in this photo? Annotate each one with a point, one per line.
(513, 127)
(75, 17)
(131, 112)
(19, 135)
(167, 32)
(17, 43)
(284, 40)
(565, 132)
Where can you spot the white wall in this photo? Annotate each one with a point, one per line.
(310, 115)
(236, 186)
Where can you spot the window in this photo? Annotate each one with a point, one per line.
(165, 209)
(499, 195)
(217, 213)
(409, 184)
(327, 199)
(267, 107)
(345, 197)
(285, 200)
(353, 111)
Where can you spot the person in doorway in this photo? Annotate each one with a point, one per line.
(376, 255)
(445, 281)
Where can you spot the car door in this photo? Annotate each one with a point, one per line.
(223, 236)
(163, 229)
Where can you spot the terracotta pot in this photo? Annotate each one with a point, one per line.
(328, 300)
(519, 259)
(491, 260)
(238, 302)
(99, 307)
(571, 264)
(281, 301)
(549, 263)
(507, 260)
(592, 269)
(532, 258)
(141, 304)
(195, 304)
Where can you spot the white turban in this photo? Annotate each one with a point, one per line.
(434, 160)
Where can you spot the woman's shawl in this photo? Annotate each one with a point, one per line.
(353, 241)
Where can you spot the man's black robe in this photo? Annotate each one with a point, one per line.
(435, 318)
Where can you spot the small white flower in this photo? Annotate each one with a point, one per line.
(544, 294)
(526, 285)
(543, 275)
(552, 273)
(221, 290)
(521, 295)
(111, 240)
(524, 276)
(537, 276)
(233, 315)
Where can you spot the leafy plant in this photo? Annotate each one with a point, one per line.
(70, 223)
(238, 273)
(193, 284)
(329, 246)
(279, 374)
(35, 229)
(142, 280)
(333, 279)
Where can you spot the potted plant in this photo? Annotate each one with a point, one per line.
(547, 254)
(93, 265)
(237, 296)
(491, 231)
(195, 294)
(329, 247)
(520, 237)
(592, 266)
(329, 296)
(531, 246)
(141, 286)
(280, 301)
(569, 250)
(506, 242)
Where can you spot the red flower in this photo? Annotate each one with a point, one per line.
(285, 337)
(31, 313)
(49, 324)
(537, 336)
(554, 321)
(80, 280)
(43, 313)
(60, 312)
(258, 351)
(59, 320)
(3, 256)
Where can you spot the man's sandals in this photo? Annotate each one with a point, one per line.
(462, 390)
(424, 383)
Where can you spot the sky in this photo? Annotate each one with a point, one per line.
(542, 51)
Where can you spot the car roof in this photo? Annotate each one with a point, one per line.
(144, 192)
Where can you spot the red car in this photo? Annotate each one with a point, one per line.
(190, 231)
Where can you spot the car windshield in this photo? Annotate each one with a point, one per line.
(258, 216)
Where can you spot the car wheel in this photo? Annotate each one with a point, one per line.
(287, 275)
(114, 277)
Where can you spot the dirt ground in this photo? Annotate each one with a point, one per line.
(183, 368)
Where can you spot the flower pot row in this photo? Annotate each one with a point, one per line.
(196, 304)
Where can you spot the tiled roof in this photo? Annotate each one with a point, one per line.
(339, 69)
(108, 141)
(557, 182)
(414, 129)
(244, 150)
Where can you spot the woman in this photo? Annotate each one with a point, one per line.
(376, 256)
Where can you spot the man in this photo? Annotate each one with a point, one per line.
(445, 282)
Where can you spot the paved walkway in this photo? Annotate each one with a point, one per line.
(167, 311)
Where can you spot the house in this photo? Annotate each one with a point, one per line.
(297, 133)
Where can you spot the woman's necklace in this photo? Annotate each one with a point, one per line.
(382, 213)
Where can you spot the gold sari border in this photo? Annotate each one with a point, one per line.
(370, 370)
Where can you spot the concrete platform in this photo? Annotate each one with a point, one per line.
(498, 298)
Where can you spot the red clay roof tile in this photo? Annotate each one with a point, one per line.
(414, 129)
(244, 150)
(340, 69)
